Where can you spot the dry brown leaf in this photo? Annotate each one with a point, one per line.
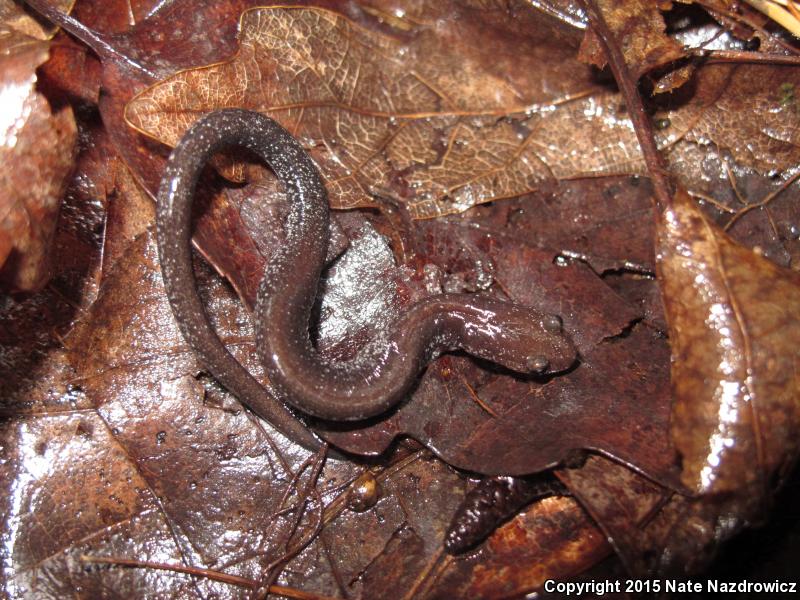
(640, 31)
(37, 150)
(735, 337)
(15, 20)
(750, 111)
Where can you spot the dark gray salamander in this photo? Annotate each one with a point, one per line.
(517, 337)
(173, 223)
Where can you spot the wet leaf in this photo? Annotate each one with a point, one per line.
(622, 502)
(442, 153)
(224, 238)
(33, 371)
(16, 20)
(121, 416)
(734, 333)
(439, 152)
(748, 112)
(656, 532)
(37, 149)
(606, 223)
(534, 543)
(173, 471)
(156, 48)
(529, 425)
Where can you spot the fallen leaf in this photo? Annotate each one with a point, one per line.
(37, 149)
(524, 249)
(622, 502)
(18, 20)
(750, 113)
(532, 425)
(639, 30)
(157, 448)
(440, 153)
(606, 223)
(735, 337)
(534, 543)
(33, 370)
(656, 533)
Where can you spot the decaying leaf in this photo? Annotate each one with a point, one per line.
(529, 425)
(439, 143)
(534, 543)
(33, 370)
(751, 113)
(37, 150)
(155, 49)
(172, 470)
(735, 336)
(378, 117)
(639, 29)
(654, 531)
(14, 19)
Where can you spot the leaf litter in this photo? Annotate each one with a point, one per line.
(134, 348)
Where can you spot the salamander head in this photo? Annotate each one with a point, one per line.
(526, 341)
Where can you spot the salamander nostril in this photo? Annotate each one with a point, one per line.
(552, 323)
(538, 364)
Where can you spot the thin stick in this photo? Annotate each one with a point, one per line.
(90, 37)
(280, 590)
(641, 122)
(740, 56)
(477, 398)
(770, 197)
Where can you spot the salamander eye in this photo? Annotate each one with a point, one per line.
(552, 323)
(538, 364)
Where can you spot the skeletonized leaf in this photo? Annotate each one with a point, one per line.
(418, 119)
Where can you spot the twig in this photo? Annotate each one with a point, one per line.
(713, 201)
(263, 589)
(740, 56)
(713, 7)
(477, 398)
(90, 37)
(641, 122)
(770, 197)
(280, 590)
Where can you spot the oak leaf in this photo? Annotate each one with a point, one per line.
(378, 116)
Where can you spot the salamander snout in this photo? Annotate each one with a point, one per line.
(524, 340)
(549, 350)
